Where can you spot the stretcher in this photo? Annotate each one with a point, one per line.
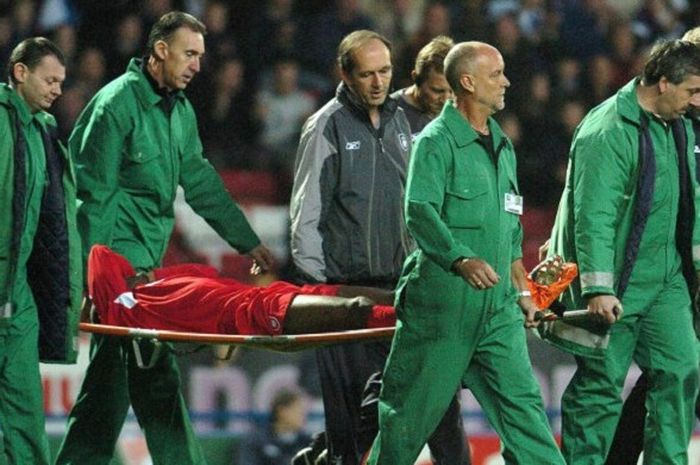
(282, 343)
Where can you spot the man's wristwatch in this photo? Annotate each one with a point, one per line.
(525, 293)
(460, 260)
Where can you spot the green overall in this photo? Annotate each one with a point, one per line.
(656, 330)
(22, 433)
(131, 153)
(448, 333)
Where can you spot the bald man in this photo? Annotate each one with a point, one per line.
(462, 207)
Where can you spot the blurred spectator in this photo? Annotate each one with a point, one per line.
(54, 13)
(6, 39)
(660, 19)
(536, 103)
(543, 158)
(538, 152)
(469, 21)
(587, 47)
(24, 19)
(623, 45)
(325, 31)
(436, 22)
(277, 443)
(583, 29)
(151, 10)
(272, 34)
(519, 56)
(220, 40)
(568, 77)
(547, 41)
(282, 108)
(129, 42)
(66, 38)
(90, 73)
(497, 8)
(96, 20)
(195, 7)
(227, 129)
(531, 19)
(85, 79)
(569, 116)
(397, 19)
(600, 79)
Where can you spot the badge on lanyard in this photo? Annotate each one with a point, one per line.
(514, 203)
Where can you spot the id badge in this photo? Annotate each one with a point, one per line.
(514, 203)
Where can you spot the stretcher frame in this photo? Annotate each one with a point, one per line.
(282, 343)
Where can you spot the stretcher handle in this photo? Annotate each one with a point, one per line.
(571, 314)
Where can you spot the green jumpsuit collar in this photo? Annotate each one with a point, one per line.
(627, 104)
(10, 97)
(463, 132)
(146, 96)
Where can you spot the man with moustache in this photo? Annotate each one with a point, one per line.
(628, 442)
(628, 218)
(134, 143)
(40, 272)
(346, 221)
(463, 292)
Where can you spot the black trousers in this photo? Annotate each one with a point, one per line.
(629, 435)
(350, 405)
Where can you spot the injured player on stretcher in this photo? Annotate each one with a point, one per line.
(194, 298)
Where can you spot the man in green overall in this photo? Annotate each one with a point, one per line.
(134, 143)
(40, 263)
(458, 320)
(627, 217)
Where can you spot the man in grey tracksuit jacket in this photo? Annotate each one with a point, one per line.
(348, 227)
(346, 210)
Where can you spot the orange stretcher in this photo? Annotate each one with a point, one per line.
(283, 343)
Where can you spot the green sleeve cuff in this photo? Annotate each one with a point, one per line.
(446, 261)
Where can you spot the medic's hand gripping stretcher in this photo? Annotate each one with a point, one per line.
(546, 282)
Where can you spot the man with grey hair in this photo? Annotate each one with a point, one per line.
(628, 442)
(134, 143)
(462, 207)
(628, 218)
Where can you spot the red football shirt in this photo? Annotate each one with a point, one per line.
(189, 298)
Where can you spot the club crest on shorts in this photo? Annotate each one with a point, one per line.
(403, 140)
(275, 324)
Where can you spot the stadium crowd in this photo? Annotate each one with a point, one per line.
(269, 66)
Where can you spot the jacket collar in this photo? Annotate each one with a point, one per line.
(145, 93)
(348, 98)
(10, 97)
(463, 132)
(627, 104)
